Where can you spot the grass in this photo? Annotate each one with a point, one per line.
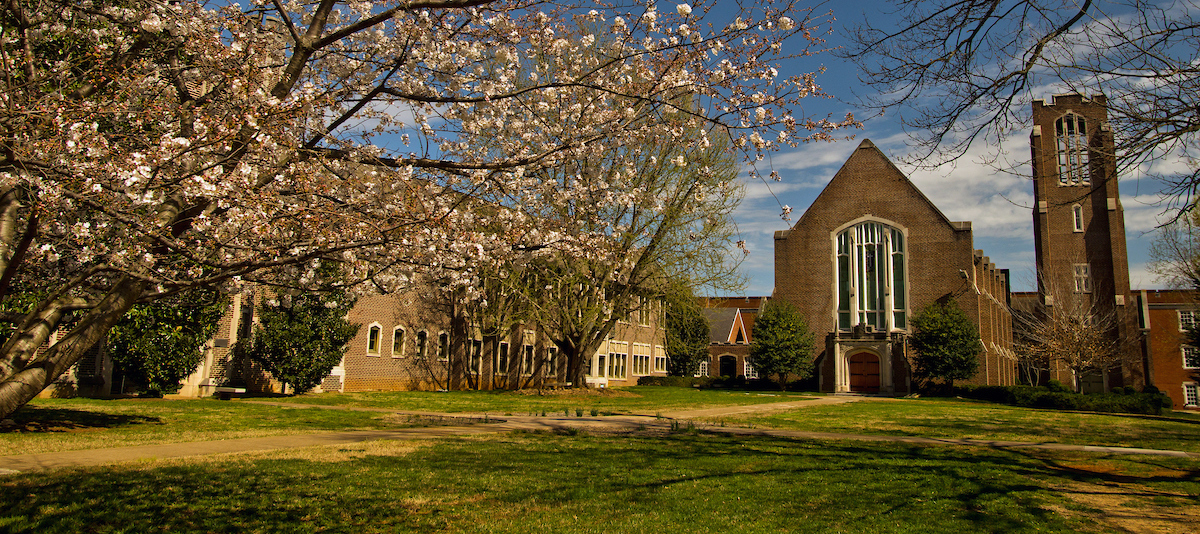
(51, 425)
(689, 482)
(952, 418)
(645, 400)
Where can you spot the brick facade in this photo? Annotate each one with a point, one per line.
(940, 265)
(1173, 367)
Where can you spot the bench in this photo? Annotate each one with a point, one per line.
(226, 393)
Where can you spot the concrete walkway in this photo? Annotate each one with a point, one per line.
(476, 424)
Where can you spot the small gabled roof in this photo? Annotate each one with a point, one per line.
(726, 325)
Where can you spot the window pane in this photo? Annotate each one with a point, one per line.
(844, 283)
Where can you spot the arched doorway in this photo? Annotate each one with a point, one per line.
(728, 365)
(864, 372)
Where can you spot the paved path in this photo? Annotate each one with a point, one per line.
(475, 424)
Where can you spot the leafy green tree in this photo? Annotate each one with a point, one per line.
(159, 344)
(687, 336)
(947, 343)
(299, 339)
(782, 344)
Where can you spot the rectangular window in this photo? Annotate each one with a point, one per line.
(526, 360)
(643, 311)
(502, 359)
(600, 361)
(616, 365)
(1187, 319)
(1191, 395)
(1083, 278)
(476, 359)
(660, 364)
(551, 361)
(641, 359)
(1077, 217)
(1191, 357)
(751, 373)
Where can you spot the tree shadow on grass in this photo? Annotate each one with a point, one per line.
(40, 419)
(545, 482)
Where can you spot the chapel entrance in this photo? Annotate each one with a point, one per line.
(728, 365)
(864, 373)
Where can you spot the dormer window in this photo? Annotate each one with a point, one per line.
(1070, 133)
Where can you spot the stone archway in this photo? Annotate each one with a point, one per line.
(864, 372)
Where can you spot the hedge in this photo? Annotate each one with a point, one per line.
(1150, 401)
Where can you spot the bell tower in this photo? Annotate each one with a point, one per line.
(1079, 231)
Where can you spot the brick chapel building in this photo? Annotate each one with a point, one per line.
(871, 252)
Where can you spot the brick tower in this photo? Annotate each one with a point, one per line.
(1079, 231)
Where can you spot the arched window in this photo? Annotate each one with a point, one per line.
(1070, 134)
(871, 277)
(398, 342)
(422, 344)
(1077, 217)
(373, 339)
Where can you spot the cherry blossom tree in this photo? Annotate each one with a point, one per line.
(153, 146)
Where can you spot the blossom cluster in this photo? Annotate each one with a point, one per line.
(180, 144)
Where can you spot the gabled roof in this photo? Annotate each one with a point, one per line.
(726, 326)
(867, 149)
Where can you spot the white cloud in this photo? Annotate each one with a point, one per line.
(1140, 277)
(814, 155)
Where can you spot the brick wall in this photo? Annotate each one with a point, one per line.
(1165, 341)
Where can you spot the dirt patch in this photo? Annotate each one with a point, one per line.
(407, 420)
(1134, 508)
(579, 393)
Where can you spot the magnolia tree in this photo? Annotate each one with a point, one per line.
(154, 146)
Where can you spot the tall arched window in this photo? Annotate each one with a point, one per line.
(871, 277)
(1070, 132)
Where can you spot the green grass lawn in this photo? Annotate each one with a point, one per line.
(954, 418)
(50, 425)
(683, 482)
(645, 400)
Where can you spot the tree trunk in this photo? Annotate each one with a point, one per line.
(27, 379)
(579, 360)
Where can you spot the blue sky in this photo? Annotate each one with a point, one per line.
(996, 201)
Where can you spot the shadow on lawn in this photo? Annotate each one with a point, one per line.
(40, 419)
(543, 482)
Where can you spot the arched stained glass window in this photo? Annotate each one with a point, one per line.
(871, 277)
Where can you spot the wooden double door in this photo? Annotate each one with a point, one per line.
(864, 372)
